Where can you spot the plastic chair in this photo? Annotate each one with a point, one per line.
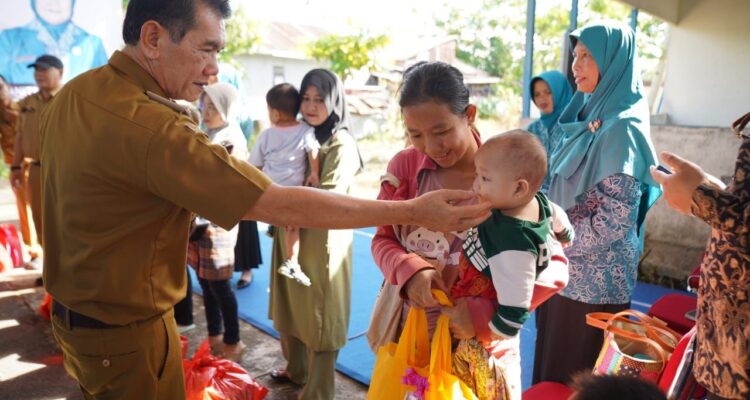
(678, 310)
(676, 381)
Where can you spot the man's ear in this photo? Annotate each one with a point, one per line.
(151, 33)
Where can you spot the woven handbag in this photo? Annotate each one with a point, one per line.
(635, 344)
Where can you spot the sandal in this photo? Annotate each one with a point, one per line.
(280, 376)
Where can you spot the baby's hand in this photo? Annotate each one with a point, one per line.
(313, 180)
(560, 236)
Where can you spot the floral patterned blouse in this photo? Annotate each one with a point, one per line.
(604, 256)
(722, 354)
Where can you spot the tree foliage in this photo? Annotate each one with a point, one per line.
(347, 53)
(241, 37)
(492, 37)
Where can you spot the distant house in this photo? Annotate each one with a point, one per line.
(280, 58)
(443, 48)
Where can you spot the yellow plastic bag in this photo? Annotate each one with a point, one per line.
(443, 385)
(393, 359)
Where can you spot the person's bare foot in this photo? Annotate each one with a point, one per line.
(216, 343)
(234, 352)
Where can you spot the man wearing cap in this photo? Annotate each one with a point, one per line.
(9, 111)
(123, 170)
(48, 72)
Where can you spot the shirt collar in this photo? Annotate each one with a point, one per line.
(134, 72)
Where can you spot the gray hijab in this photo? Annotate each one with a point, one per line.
(225, 98)
(331, 89)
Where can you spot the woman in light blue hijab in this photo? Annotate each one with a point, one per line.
(52, 31)
(600, 176)
(551, 93)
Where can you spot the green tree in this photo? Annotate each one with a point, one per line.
(347, 53)
(492, 37)
(242, 36)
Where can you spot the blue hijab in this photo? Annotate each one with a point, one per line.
(561, 94)
(55, 30)
(623, 143)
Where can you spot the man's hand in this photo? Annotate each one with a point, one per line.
(462, 327)
(16, 179)
(419, 285)
(680, 185)
(437, 211)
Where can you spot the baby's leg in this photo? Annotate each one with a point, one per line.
(509, 365)
(292, 244)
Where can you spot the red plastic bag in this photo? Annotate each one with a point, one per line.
(212, 378)
(45, 309)
(12, 243)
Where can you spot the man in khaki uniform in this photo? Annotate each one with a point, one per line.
(48, 72)
(9, 111)
(122, 171)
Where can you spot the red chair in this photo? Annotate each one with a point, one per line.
(676, 381)
(678, 310)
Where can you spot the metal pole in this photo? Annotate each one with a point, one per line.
(634, 19)
(573, 15)
(528, 64)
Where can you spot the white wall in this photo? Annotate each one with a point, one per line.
(708, 64)
(675, 242)
(258, 78)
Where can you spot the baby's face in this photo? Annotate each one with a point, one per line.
(492, 184)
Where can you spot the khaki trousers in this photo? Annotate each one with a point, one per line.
(142, 360)
(316, 370)
(34, 193)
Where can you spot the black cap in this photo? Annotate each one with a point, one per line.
(47, 61)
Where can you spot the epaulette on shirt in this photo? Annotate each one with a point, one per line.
(184, 110)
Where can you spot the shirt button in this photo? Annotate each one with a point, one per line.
(105, 363)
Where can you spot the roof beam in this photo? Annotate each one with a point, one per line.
(668, 10)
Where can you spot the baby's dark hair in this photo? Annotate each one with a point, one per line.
(437, 82)
(285, 98)
(596, 387)
(519, 152)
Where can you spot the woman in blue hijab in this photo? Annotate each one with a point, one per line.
(600, 176)
(551, 93)
(52, 31)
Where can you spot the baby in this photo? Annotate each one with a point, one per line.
(523, 235)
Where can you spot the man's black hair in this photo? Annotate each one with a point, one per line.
(177, 16)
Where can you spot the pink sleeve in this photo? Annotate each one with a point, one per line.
(397, 264)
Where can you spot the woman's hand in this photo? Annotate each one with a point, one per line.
(419, 285)
(313, 180)
(680, 185)
(462, 327)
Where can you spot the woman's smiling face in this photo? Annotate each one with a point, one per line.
(437, 132)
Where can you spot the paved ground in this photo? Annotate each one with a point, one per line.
(30, 362)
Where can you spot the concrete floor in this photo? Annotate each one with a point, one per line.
(31, 363)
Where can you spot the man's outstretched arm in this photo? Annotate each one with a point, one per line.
(313, 208)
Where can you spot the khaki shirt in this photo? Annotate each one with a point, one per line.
(32, 107)
(121, 174)
(8, 120)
